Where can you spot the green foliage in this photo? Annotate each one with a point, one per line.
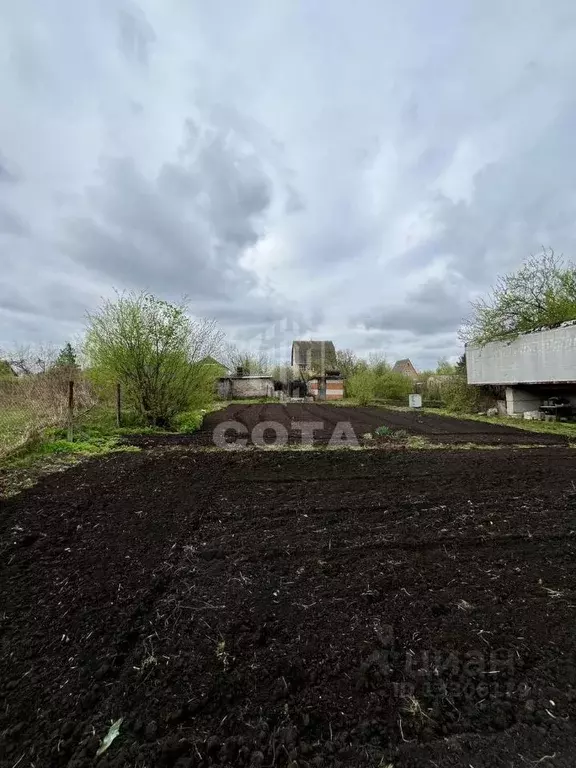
(66, 357)
(541, 293)
(460, 397)
(188, 421)
(155, 350)
(362, 386)
(444, 368)
(6, 371)
(391, 385)
(376, 380)
(348, 363)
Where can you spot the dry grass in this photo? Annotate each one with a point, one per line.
(30, 404)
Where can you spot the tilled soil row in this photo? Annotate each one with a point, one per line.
(337, 425)
(295, 609)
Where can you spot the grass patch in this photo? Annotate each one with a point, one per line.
(50, 451)
(543, 427)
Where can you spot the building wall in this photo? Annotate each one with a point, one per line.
(533, 358)
(334, 388)
(233, 388)
(247, 387)
(224, 388)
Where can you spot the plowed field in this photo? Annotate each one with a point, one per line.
(328, 608)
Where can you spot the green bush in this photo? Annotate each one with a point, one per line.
(362, 387)
(156, 351)
(461, 397)
(391, 385)
(188, 421)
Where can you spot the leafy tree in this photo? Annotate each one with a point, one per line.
(378, 363)
(155, 350)
(66, 357)
(362, 386)
(541, 293)
(444, 368)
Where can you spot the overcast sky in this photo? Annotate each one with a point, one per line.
(327, 169)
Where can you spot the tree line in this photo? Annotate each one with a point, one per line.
(158, 351)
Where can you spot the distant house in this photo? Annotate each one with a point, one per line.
(314, 357)
(406, 368)
(316, 364)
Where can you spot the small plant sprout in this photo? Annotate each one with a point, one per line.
(222, 654)
(414, 708)
(113, 731)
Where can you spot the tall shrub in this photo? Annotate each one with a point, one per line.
(154, 349)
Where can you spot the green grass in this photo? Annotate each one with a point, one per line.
(95, 435)
(543, 427)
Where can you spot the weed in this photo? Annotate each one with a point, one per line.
(222, 654)
(414, 708)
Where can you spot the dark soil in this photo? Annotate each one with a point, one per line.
(369, 608)
(438, 429)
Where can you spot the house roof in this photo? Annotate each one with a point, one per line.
(213, 362)
(405, 367)
(314, 355)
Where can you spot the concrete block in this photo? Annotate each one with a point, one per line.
(532, 415)
(520, 400)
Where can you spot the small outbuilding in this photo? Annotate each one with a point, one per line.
(240, 386)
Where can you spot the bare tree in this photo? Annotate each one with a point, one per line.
(250, 361)
(30, 359)
(348, 362)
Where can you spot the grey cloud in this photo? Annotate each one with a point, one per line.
(324, 181)
(8, 175)
(436, 306)
(183, 231)
(56, 301)
(12, 224)
(136, 36)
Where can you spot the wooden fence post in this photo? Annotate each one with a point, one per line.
(70, 411)
(118, 405)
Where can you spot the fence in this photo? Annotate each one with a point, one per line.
(56, 399)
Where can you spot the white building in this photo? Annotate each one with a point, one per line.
(532, 366)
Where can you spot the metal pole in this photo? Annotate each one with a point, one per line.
(70, 411)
